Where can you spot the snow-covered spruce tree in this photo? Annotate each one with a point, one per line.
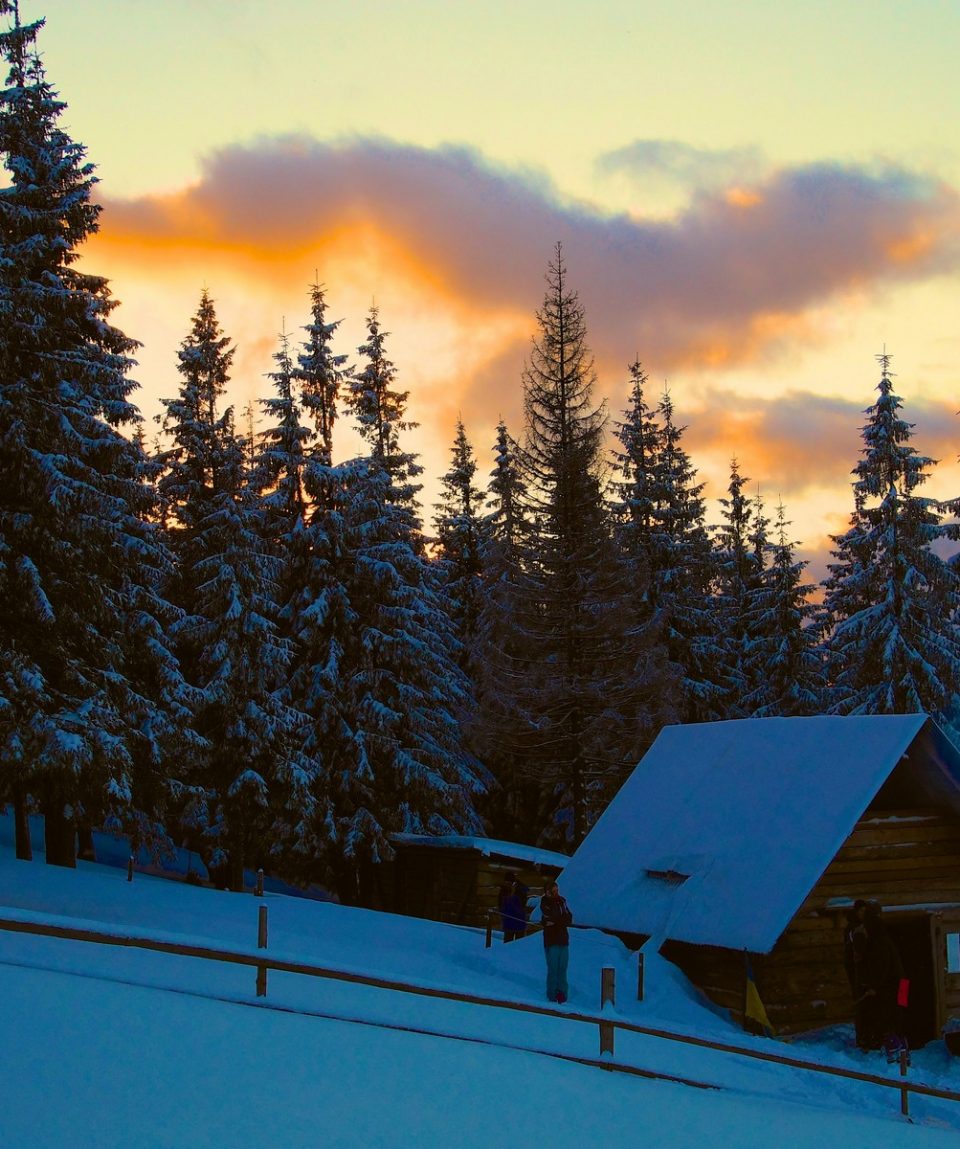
(314, 612)
(90, 695)
(292, 478)
(635, 490)
(787, 671)
(638, 499)
(682, 561)
(320, 374)
(403, 694)
(736, 577)
(195, 432)
(279, 458)
(582, 692)
(459, 526)
(252, 795)
(891, 601)
(512, 806)
(317, 613)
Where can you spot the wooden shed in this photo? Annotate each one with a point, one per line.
(457, 879)
(751, 839)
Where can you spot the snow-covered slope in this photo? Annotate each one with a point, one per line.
(106, 1046)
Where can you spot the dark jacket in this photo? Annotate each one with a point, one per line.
(555, 915)
(881, 969)
(854, 948)
(880, 974)
(513, 914)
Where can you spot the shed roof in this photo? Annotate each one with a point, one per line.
(723, 828)
(488, 847)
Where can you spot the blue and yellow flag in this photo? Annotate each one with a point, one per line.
(755, 1018)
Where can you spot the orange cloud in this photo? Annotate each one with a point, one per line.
(743, 197)
(454, 252)
(913, 248)
(800, 442)
(737, 276)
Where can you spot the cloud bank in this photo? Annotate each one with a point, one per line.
(801, 441)
(739, 274)
(751, 267)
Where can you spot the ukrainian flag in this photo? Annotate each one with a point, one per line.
(755, 1018)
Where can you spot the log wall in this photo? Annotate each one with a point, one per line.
(461, 886)
(908, 859)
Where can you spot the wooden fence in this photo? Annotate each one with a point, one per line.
(606, 1021)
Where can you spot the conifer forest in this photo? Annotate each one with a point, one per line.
(222, 634)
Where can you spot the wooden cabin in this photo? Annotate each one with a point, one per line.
(751, 839)
(457, 879)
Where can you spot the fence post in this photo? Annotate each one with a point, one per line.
(489, 939)
(262, 944)
(259, 891)
(640, 975)
(608, 995)
(130, 869)
(904, 1092)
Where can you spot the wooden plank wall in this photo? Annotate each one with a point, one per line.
(907, 858)
(457, 885)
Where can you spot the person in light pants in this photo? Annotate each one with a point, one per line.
(556, 917)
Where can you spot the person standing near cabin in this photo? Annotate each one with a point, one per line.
(854, 947)
(556, 917)
(513, 912)
(881, 971)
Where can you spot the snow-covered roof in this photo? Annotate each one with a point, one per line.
(514, 851)
(722, 830)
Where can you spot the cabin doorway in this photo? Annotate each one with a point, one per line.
(911, 936)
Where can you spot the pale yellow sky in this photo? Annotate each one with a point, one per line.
(837, 121)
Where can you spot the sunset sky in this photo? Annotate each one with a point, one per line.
(754, 198)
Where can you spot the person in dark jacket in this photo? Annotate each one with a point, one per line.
(854, 947)
(880, 974)
(513, 911)
(556, 917)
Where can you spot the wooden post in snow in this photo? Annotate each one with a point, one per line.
(608, 996)
(262, 944)
(904, 1092)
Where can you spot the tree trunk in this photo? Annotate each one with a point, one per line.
(235, 871)
(21, 823)
(60, 834)
(348, 885)
(85, 848)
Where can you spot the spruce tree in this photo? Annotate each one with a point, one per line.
(304, 503)
(787, 678)
(683, 570)
(279, 459)
(90, 695)
(582, 691)
(504, 657)
(636, 493)
(638, 501)
(252, 794)
(891, 644)
(404, 696)
(196, 432)
(320, 373)
(459, 546)
(737, 574)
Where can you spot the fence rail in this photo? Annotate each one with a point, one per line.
(606, 1021)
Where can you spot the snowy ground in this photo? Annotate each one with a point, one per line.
(117, 1047)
